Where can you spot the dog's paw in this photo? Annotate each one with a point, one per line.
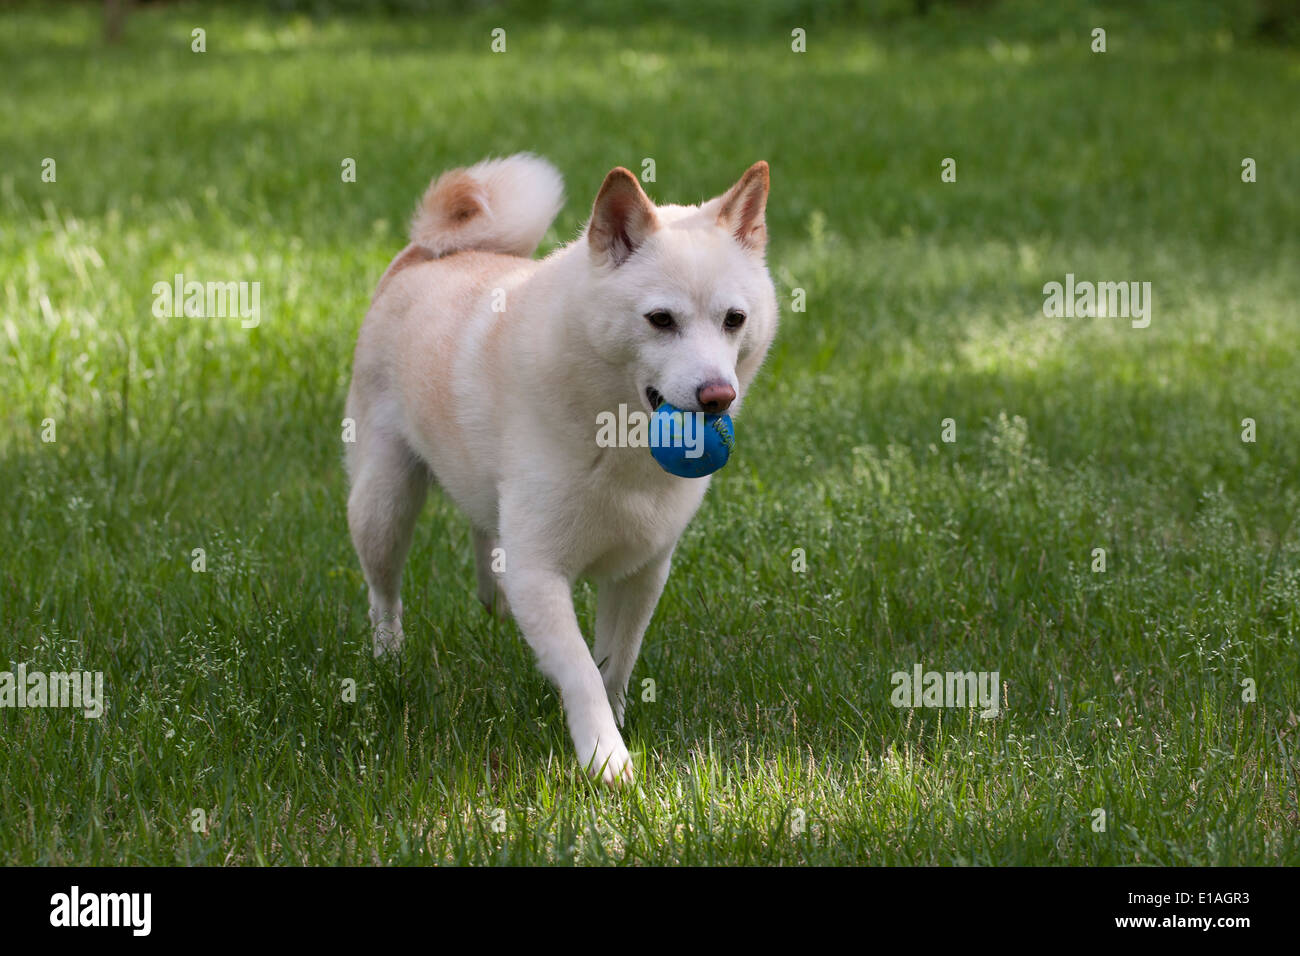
(388, 634)
(610, 763)
(388, 640)
(616, 769)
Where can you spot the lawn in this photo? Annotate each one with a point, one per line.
(1162, 690)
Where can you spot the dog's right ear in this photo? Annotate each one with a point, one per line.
(621, 219)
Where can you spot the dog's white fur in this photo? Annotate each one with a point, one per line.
(500, 406)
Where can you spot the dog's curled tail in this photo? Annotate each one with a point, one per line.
(498, 205)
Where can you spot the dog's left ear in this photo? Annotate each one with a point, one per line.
(742, 209)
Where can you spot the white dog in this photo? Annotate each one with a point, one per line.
(486, 370)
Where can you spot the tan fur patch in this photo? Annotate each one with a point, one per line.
(458, 200)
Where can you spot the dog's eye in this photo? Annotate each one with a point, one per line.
(734, 320)
(660, 319)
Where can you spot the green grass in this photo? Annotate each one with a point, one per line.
(924, 301)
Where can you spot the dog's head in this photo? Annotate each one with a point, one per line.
(688, 308)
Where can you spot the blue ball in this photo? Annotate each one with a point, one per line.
(690, 444)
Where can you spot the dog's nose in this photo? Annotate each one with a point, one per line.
(715, 397)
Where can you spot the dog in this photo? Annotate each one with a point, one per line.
(485, 370)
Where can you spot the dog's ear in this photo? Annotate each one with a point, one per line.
(742, 209)
(621, 219)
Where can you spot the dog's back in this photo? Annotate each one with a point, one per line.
(432, 319)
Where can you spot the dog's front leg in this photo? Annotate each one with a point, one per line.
(623, 611)
(542, 601)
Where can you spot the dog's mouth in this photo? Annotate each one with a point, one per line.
(653, 397)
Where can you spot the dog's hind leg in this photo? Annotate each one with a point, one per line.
(389, 485)
(623, 611)
(489, 564)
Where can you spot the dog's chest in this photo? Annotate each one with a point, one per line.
(627, 519)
